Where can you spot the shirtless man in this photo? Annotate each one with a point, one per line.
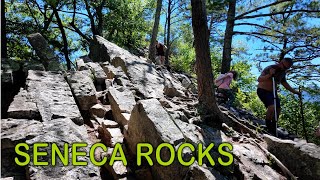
(265, 89)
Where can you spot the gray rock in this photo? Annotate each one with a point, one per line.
(113, 72)
(122, 102)
(83, 88)
(142, 74)
(81, 65)
(52, 96)
(33, 65)
(173, 86)
(199, 172)
(150, 123)
(98, 110)
(23, 107)
(60, 131)
(98, 73)
(301, 158)
(45, 53)
(118, 170)
(117, 136)
(192, 133)
(108, 123)
(14, 131)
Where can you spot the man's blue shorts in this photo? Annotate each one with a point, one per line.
(267, 97)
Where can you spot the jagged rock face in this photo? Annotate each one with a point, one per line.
(122, 102)
(150, 123)
(23, 107)
(45, 53)
(47, 93)
(303, 159)
(253, 163)
(142, 74)
(83, 88)
(60, 131)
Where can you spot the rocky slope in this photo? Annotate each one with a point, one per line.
(120, 100)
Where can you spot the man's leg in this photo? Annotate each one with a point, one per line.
(270, 119)
(231, 97)
(162, 60)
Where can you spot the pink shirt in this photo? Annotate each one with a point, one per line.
(226, 81)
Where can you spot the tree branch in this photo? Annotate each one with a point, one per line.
(262, 7)
(256, 33)
(275, 13)
(77, 30)
(261, 26)
(74, 13)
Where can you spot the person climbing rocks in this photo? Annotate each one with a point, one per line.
(223, 82)
(265, 90)
(161, 50)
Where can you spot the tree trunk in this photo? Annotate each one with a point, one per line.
(207, 102)
(100, 17)
(4, 52)
(64, 38)
(226, 54)
(165, 31)
(168, 33)
(152, 48)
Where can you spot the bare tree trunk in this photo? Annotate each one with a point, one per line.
(100, 17)
(64, 38)
(152, 48)
(226, 54)
(168, 32)
(208, 106)
(91, 18)
(4, 52)
(165, 31)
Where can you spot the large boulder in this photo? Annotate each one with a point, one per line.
(301, 158)
(52, 96)
(172, 86)
(60, 131)
(81, 65)
(142, 74)
(150, 123)
(122, 102)
(23, 107)
(252, 163)
(45, 53)
(99, 75)
(83, 88)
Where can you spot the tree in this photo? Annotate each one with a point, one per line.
(206, 97)
(231, 18)
(155, 29)
(4, 53)
(63, 34)
(226, 54)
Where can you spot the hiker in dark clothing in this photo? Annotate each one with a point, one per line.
(265, 90)
(161, 49)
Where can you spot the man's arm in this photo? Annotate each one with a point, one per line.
(289, 88)
(265, 76)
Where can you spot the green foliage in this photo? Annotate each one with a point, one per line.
(184, 59)
(125, 23)
(290, 117)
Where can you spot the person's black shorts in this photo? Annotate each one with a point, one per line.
(267, 97)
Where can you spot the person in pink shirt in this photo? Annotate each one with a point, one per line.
(223, 82)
